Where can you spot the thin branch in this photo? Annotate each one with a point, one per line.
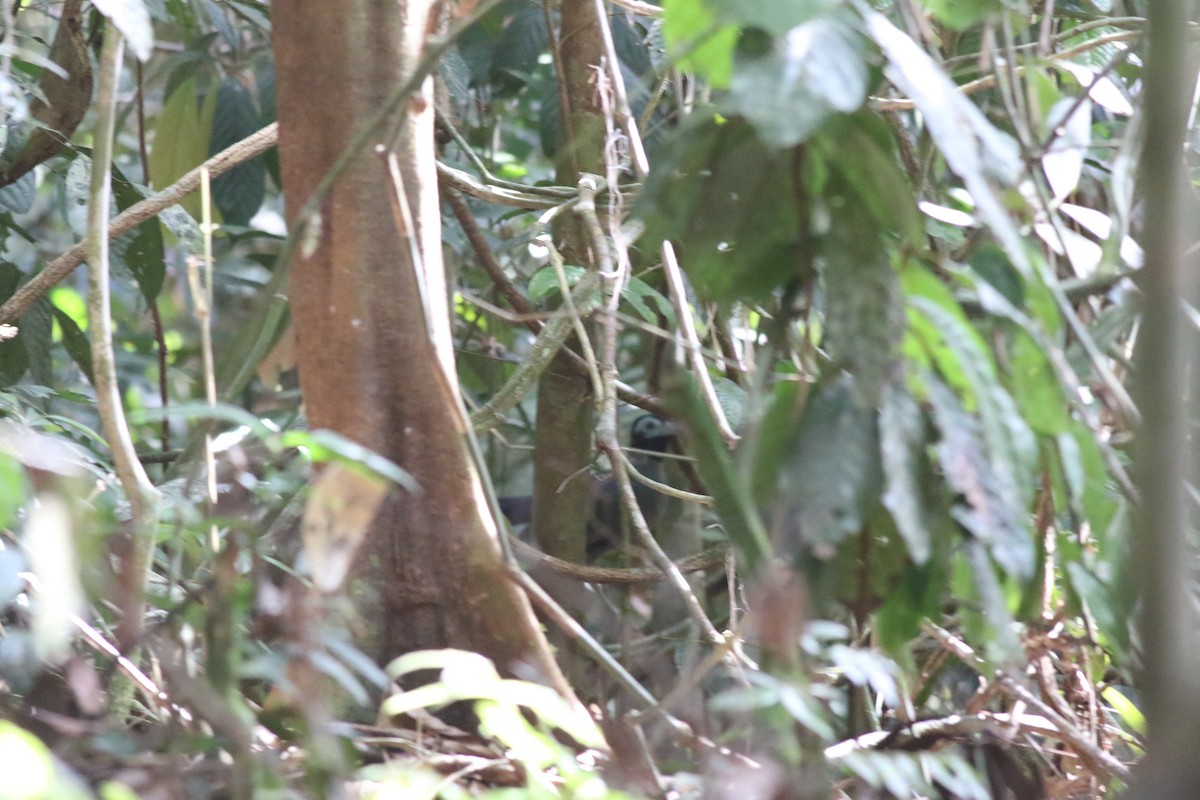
(606, 433)
(701, 562)
(549, 341)
(989, 81)
(135, 215)
(692, 343)
(139, 491)
(1099, 761)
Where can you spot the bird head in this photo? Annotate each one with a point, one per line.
(652, 433)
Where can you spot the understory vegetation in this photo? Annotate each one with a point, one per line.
(902, 286)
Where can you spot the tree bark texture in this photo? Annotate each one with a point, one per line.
(430, 574)
(563, 447)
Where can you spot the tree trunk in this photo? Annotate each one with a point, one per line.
(430, 574)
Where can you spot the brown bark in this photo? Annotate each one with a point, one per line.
(563, 448)
(430, 574)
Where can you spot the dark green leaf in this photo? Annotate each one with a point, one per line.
(988, 511)
(17, 197)
(729, 204)
(37, 329)
(517, 50)
(140, 250)
(864, 318)
(76, 342)
(834, 473)
(239, 192)
(733, 498)
(14, 360)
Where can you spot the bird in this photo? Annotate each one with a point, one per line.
(650, 437)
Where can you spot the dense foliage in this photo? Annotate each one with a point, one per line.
(907, 234)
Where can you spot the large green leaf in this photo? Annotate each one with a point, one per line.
(789, 86)
(864, 316)
(833, 476)
(181, 137)
(730, 491)
(140, 250)
(902, 444)
(730, 205)
(239, 192)
(861, 150)
(698, 41)
(518, 48)
(993, 508)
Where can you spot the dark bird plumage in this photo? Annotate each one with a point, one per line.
(649, 437)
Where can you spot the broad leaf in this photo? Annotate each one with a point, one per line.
(239, 192)
(864, 317)
(974, 149)
(834, 473)
(791, 85)
(902, 445)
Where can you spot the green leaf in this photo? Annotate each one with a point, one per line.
(864, 318)
(729, 204)
(774, 16)
(698, 42)
(810, 72)
(14, 359)
(239, 192)
(17, 197)
(181, 137)
(37, 334)
(962, 14)
(860, 148)
(75, 341)
(1035, 386)
(834, 473)
(641, 296)
(545, 280)
(518, 48)
(140, 250)
(902, 445)
(731, 494)
(991, 509)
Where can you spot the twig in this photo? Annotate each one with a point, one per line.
(681, 732)
(606, 435)
(483, 252)
(692, 343)
(1097, 760)
(989, 81)
(705, 560)
(623, 115)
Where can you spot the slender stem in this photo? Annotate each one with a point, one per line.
(140, 493)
